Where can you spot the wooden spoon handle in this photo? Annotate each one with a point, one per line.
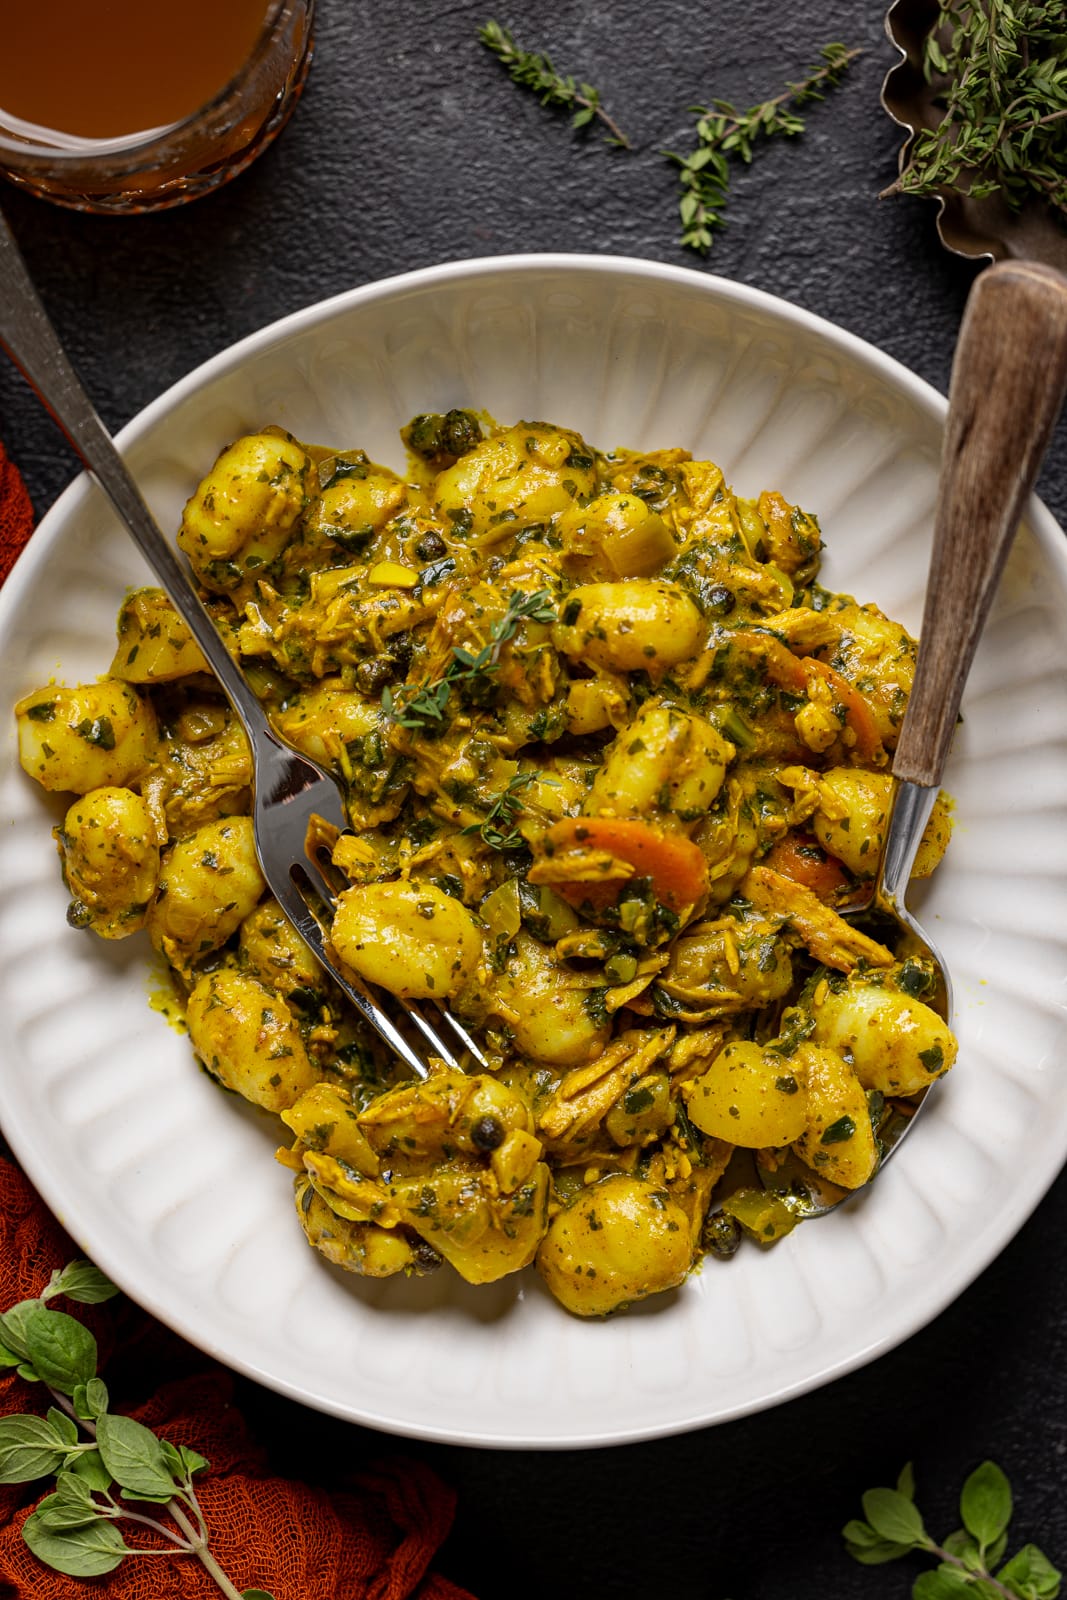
(1008, 382)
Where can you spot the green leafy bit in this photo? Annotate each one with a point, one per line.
(1000, 75)
(81, 1281)
(98, 731)
(498, 830)
(62, 1349)
(969, 1559)
(134, 1457)
(30, 1447)
(985, 1504)
(100, 1460)
(422, 707)
(536, 72)
(723, 132)
(80, 1552)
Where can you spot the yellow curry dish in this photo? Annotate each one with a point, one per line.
(613, 760)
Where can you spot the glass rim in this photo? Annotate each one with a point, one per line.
(146, 139)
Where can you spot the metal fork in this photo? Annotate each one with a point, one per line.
(289, 791)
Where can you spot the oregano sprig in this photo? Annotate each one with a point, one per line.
(1000, 73)
(971, 1563)
(723, 132)
(105, 1465)
(534, 71)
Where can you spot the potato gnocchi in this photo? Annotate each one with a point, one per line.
(612, 759)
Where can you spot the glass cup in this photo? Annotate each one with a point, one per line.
(166, 166)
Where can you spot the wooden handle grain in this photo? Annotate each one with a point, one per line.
(1008, 382)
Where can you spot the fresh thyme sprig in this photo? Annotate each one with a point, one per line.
(971, 1560)
(498, 828)
(92, 1451)
(536, 72)
(423, 708)
(723, 131)
(1001, 71)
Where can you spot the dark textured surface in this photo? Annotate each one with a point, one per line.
(411, 147)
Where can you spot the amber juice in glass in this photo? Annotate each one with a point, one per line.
(133, 105)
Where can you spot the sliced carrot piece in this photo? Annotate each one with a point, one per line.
(677, 867)
(794, 674)
(782, 667)
(857, 712)
(801, 857)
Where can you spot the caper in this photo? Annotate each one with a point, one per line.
(487, 1134)
(721, 1235)
(78, 914)
(429, 545)
(425, 1258)
(372, 676)
(721, 599)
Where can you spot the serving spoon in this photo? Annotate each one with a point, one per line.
(1008, 382)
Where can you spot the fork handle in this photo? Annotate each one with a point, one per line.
(1008, 381)
(32, 343)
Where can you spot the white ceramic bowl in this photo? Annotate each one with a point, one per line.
(170, 1185)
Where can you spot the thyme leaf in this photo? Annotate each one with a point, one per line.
(723, 132)
(498, 829)
(534, 71)
(1000, 71)
(421, 707)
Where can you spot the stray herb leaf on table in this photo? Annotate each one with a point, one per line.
(970, 1560)
(723, 132)
(531, 70)
(104, 1464)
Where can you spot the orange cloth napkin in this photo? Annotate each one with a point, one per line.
(16, 514)
(298, 1542)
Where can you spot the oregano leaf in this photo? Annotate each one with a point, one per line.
(134, 1457)
(72, 1486)
(946, 1583)
(160, 1499)
(985, 1503)
(876, 1555)
(13, 1327)
(65, 1510)
(996, 1550)
(83, 1282)
(255, 1594)
(860, 1533)
(90, 1399)
(62, 1349)
(29, 1448)
(192, 1460)
(894, 1516)
(906, 1481)
(1031, 1573)
(65, 1428)
(90, 1466)
(86, 1552)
